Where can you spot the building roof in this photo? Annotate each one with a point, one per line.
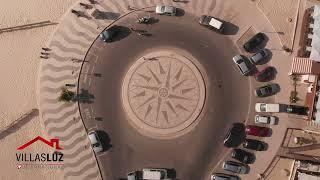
(315, 43)
(304, 176)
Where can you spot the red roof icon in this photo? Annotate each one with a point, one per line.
(51, 143)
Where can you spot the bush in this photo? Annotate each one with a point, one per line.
(66, 95)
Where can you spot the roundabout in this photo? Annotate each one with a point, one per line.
(163, 94)
(167, 99)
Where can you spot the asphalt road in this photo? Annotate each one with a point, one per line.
(227, 99)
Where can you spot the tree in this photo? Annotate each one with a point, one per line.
(66, 95)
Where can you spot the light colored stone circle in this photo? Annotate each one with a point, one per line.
(163, 93)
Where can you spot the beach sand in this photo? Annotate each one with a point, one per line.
(19, 65)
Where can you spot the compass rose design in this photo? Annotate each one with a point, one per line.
(165, 93)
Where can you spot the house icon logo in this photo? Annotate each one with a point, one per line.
(54, 143)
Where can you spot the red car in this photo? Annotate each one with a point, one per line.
(266, 74)
(257, 131)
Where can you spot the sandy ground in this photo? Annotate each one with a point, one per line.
(282, 14)
(19, 62)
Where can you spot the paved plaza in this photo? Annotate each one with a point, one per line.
(165, 100)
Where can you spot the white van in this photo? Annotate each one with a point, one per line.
(154, 174)
(264, 107)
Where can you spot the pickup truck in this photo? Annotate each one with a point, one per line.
(264, 107)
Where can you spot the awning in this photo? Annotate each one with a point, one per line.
(301, 66)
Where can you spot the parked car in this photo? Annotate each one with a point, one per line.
(259, 119)
(267, 90)
(211, 22)
(260, 56)
(109, 34)
(154, 174)
(166, 10)
(222, 176)
(257, 131)
(254, 145)
(235, 136)
(235, 167)
(265, 74)
(95, 141)
(265, 107)
(243, 156)
(134, 175)
(253, 43)
(300, 110)
(243, 64)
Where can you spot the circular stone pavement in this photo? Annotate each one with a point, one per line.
(163, 93)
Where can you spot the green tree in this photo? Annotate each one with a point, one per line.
(66, 95)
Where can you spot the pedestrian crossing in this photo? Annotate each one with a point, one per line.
(71, 40)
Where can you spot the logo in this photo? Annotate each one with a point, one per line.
(51, 143)
(40, 159)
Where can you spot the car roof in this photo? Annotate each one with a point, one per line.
(215, 23)
(93, 137)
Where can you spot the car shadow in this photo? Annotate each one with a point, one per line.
(265, 146)
(252, 159)
(123, 32)
(180, 12)
(172, 173)
(105, 140)
(247, 169)
(267, 59)
(152, 21)
(229, 28)
(276, 120)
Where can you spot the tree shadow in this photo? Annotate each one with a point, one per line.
(84, 97)
(105, 140)
(18, 123)
(97, 14)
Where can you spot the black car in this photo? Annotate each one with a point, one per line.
(109, 34)
(300, 110)
(254, 145)
(243, 156)
(235, 135)
(254, 42)
(267, 90)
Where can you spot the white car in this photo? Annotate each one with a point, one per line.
(154, 174)
(95, 141)
(210, 21)
(166, 10)
(264, 107)
(265, 119)
(243, 64)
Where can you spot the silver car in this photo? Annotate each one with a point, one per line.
(261, 55)
(166, 10)
(222, 176)
(235, 167)
(95, 141)
(243, 64)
